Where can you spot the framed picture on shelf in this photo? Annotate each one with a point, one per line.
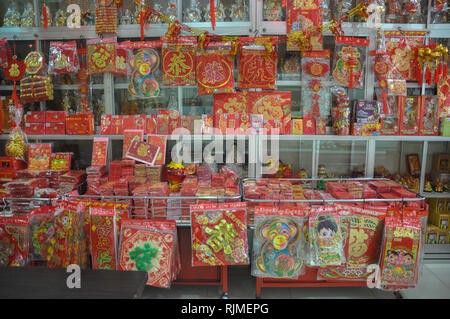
(413, 164)
(441, 163)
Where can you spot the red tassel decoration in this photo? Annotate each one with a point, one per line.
(445, 71)
(437, 73)
(212, 8)
(44, 13)
(141, 20)
(14, 94)
(350, 82)
(384, 100)
(428, 76)
(419, 75)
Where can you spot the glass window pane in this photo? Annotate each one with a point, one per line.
(342, 158)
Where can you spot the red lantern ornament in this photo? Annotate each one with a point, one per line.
(44, 13)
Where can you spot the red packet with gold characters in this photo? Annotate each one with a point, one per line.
(178, 62)
(39, 156)
(128, 137)
(101, 55)
(143, 152)
(219, 234)
(161, 142)
(257, 63)
(230, 103)
(103, 236)
(99, 151)
(401, 252)
(272, 105)
(149, 245)
(215, 69)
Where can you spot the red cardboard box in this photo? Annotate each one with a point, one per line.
(35, 117)
(429, 115)
(34, 128)
(55, 128)
(309, 126)
(55, 116)
(12, 163)
(321, 126)
(80, 124)
(409, 115)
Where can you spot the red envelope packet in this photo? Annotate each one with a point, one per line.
(150, 124)
(143, 152)
(128, 137)
(99, 151)
(161, 142)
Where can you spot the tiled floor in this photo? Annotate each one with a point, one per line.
(434, 284)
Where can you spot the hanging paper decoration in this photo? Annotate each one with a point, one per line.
(149, 245)
(215, 70)
(400, 48)
(34, 63)
(325, 237)
(279, 242)
(16, 70)
(5, 53)
(348, 63)
(305, 16)
(315, 96)
(272, 105)
(63, 58)
(219, 234)
(101, 55)
(106, 19)
(143, 83)
(401, 252)
(178, 62)
(443, 92)
(230, 103)
(257, 64)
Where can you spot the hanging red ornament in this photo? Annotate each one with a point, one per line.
(428, 76)
(44, 13)
(16, 70)
(212, 13)
(384, 100)
(141, 20)
(445, 70)
(437, 73)
(419, 74)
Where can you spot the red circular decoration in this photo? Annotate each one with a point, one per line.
(15, 70)
(83, 89)
(316, 69)
(105, 3)
(380, 67)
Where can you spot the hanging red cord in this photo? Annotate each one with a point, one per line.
(212, 8)
(384, 99)
(44, 13)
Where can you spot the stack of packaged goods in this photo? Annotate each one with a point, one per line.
(115, 170)
(96, 177)
(340, 112)
(140, 206)
(121, 190)
(189, 188)
(72, 180)
(158, 207)
(127, 168)
(23, 189)
(154, 173)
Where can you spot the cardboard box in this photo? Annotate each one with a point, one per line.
(34, 128)
(55, 128)
(35, 117)
(80, 124)
(55, 116)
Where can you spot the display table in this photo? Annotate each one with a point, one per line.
(38, 282)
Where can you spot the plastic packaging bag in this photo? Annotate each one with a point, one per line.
(151, 246)
(279, 242)
(63, 58)
(349, 61)
(219, 234)
(325, 237)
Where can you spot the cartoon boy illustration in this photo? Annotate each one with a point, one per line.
(392, 257)
(328, 241)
